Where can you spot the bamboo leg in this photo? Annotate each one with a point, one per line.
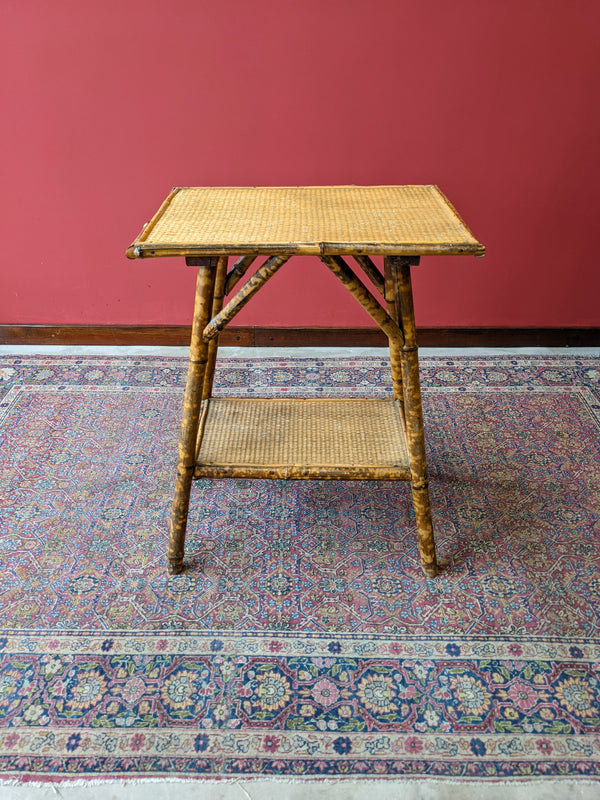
(217, 305)
(414, 415)
(191, 409)
(395, 346)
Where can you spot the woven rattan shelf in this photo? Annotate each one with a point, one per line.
(338, 439)
(351, 439)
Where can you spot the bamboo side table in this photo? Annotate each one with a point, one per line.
(335, 439)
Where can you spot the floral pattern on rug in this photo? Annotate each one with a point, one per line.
(303, 638)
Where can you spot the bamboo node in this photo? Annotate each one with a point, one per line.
(211, 330)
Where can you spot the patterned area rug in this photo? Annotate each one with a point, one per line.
(303, 639)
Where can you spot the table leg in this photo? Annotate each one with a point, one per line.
(217, 305)
(191, 409)
(400, 266)
(391, 294)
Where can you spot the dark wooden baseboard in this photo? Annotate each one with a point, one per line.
(165, 335)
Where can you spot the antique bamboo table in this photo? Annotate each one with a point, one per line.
(312, 439)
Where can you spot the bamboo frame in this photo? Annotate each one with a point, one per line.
(299, 473)
(235, 305)
(313, 249)
(191, 409)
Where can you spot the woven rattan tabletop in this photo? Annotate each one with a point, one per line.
(310, 220)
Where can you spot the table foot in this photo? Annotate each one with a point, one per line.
(420, 496)
(176, 567)
(181, 504)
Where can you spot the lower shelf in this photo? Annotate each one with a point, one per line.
(302, 439)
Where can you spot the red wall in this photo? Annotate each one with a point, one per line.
(107, 105)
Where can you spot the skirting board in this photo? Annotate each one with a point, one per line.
(179, 335)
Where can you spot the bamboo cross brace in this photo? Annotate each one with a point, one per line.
(237, 272)
(252, 285)
(342, 271)
(370, 269)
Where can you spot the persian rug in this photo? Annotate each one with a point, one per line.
(303, 639)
